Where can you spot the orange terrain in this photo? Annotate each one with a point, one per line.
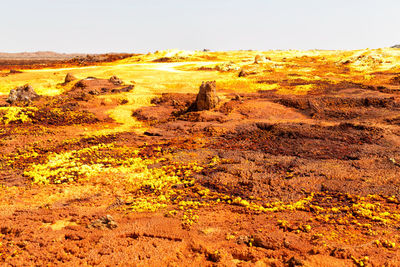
(297, 164)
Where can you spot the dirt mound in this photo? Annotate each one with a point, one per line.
(95, 86)
(305, 140)
(22, 94)
(174, 99)
(341, 107)
(206, 98)
(62, 116)
(395, 80)
(15, 71)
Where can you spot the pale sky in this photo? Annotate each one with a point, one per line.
(97, 26)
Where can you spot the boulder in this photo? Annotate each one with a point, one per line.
(115, 80)
(206, 98)
(22, 94)
(69, 78)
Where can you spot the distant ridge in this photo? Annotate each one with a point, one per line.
(38, 55)
(395, 46)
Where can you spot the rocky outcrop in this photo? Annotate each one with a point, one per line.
(22, 94)
(115, 80)
(69, 78)
(206, 98)
(95, 86)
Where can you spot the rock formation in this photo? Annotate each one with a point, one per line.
(22, 94)
(95, 86)
(115, 80)
(206, 98)
(69, 78)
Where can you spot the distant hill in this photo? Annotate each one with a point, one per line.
(396, 46)
(38, 55)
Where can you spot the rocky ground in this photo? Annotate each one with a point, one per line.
(294, 163)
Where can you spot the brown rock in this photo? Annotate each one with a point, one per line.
(22, 94)
(69, 78)
(115, 80)
(104, 222)
(293, 261)
(207, 97)
(243, 73)
(237, 97)
(267, 241)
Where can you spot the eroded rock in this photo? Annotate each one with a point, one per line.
(69, 78)
(22, 94)
(115, 80)
(207, 97)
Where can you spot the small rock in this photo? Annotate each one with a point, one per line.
(176, 103)
(152, 133)
(265, 126)
(243, 73)
(94, 92)
(237, 97)
(214, 256)
(115, 80)
(128, 88)
(104, 222)
(266, 242)
(243, 239)
(293, 262)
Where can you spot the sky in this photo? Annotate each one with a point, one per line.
(100, 26)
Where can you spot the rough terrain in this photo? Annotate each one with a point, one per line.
(294, 162)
